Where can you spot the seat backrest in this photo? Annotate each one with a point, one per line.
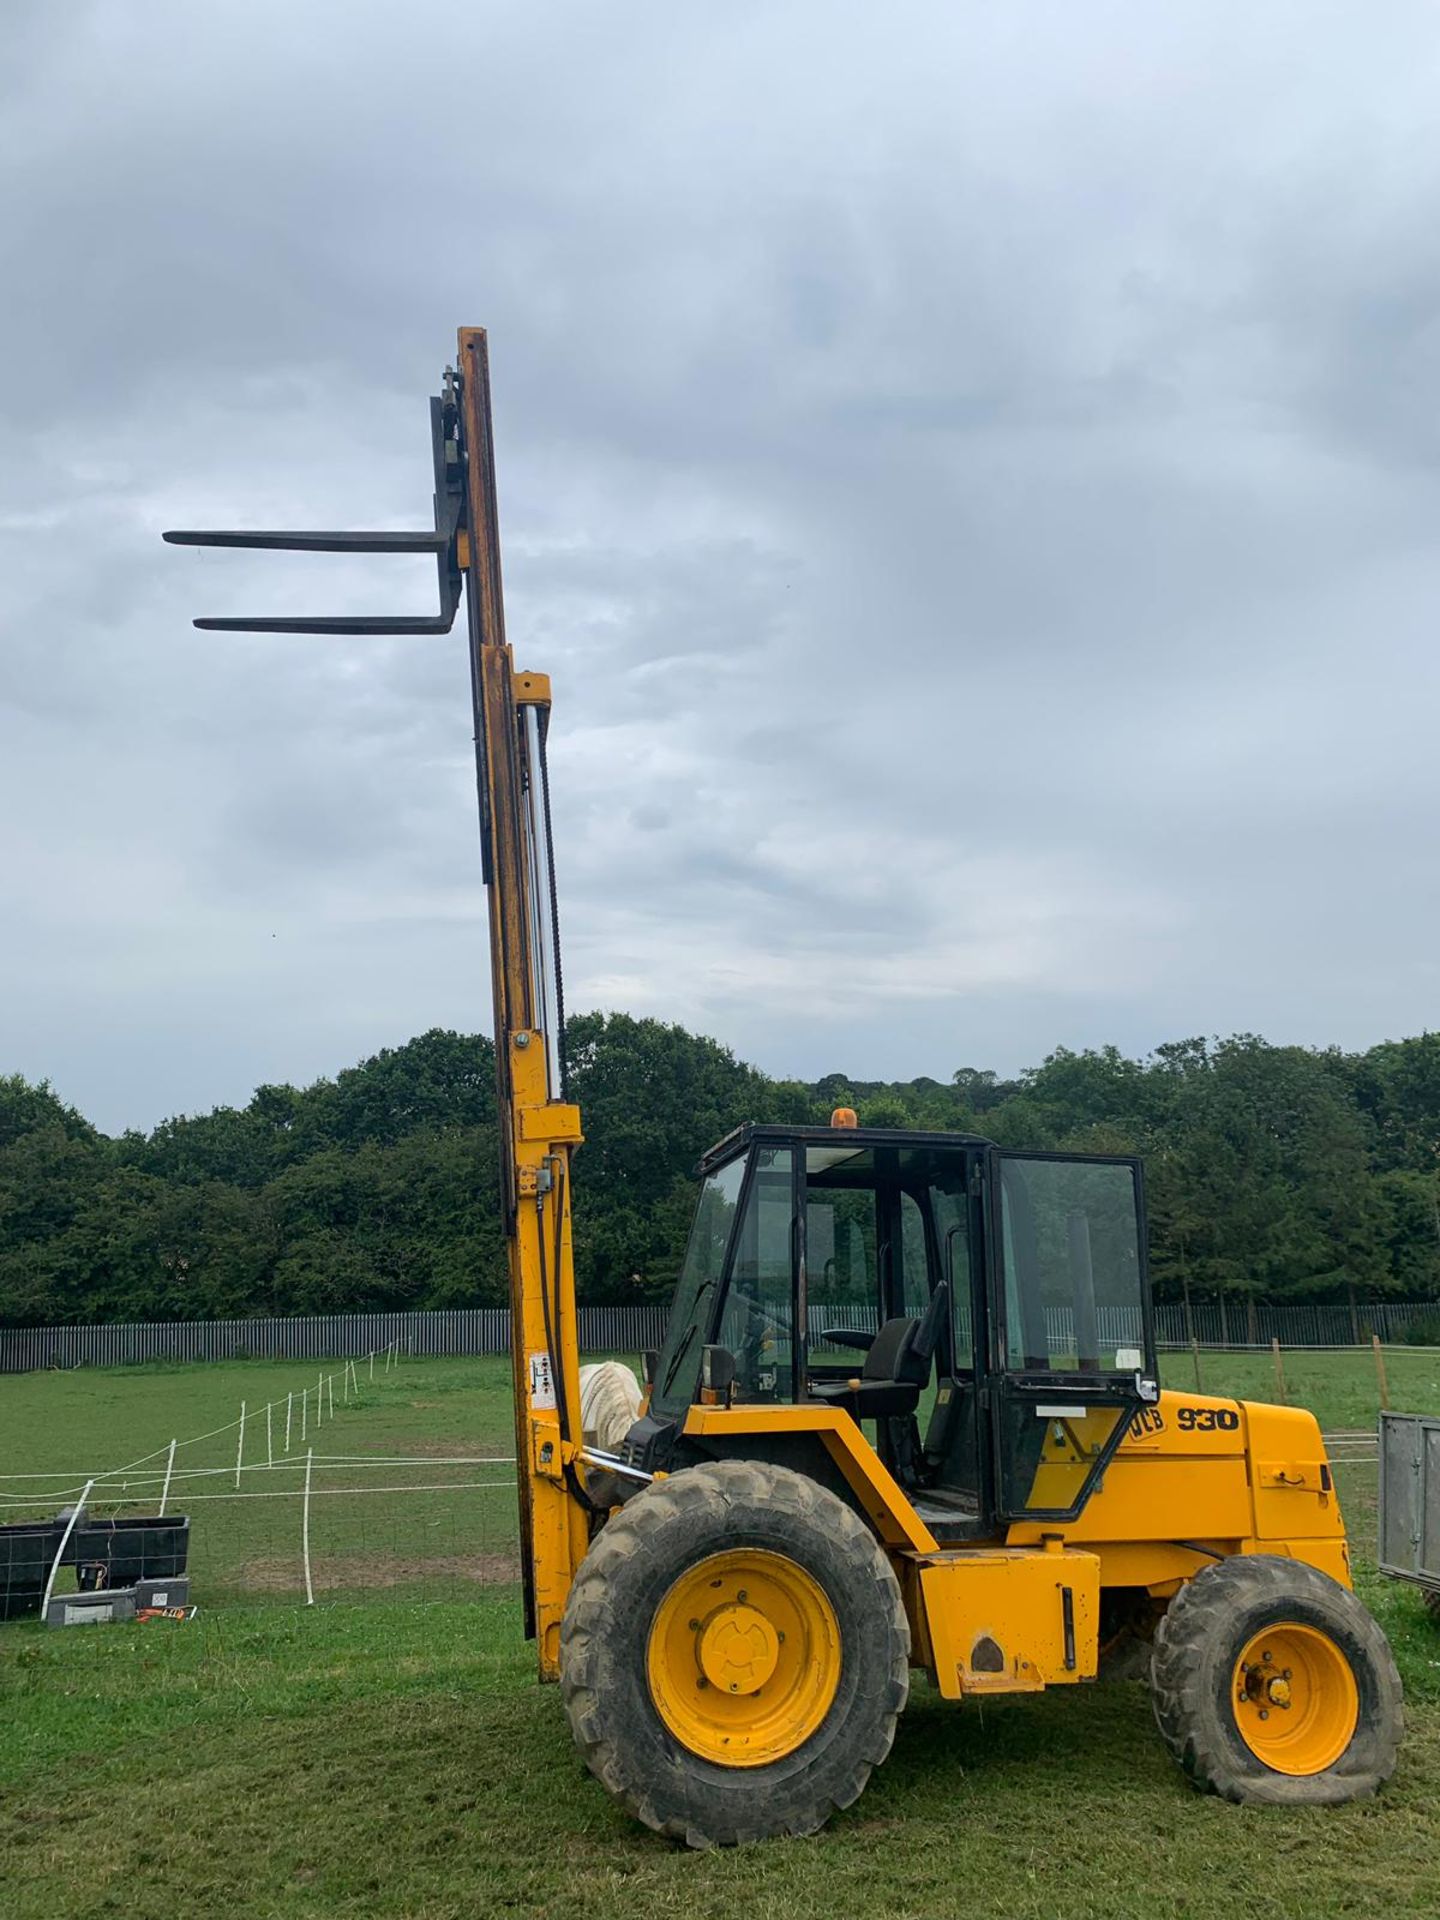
(904, 1348)
(889, 1349)
(919, 1351)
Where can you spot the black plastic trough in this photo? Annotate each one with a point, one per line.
(104, 1553)
(117, 1553)
(26, 1554)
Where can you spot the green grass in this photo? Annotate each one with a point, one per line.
(399, 1760)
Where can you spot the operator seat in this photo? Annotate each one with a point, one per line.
(896, 1367)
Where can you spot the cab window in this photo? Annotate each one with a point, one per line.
(757, 1322)
(678, 1366)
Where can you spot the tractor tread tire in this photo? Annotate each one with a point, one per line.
(632, 1564)
(1199, 1640)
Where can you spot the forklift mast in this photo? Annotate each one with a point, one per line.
(539, 1128)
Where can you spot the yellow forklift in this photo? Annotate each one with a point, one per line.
(906, 1415)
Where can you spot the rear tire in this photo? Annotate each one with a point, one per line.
(734, 1608)
(1272, 1685)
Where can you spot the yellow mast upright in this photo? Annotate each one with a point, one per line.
(539, 1129)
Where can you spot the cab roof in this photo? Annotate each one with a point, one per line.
(751, 1134)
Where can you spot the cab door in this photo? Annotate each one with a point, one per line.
(1072, 1357)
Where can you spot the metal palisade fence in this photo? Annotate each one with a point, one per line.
(630, 1329)
(330, 1336)
(1209, 1325)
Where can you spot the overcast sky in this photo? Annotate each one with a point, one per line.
(972, 471)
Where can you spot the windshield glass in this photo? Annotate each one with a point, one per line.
(679, 1362)
(757, 1325)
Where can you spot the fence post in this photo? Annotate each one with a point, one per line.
(372, 1364)
(330, 1389)
(1195, 1356)
(269, 1454)
(304, 1412)
(169, 1469)
(320, 1398)
(305, 1529)
(1279, 1368)
(75, 1513)
(1380, 1370)
(240, 1449)
(289, 1401)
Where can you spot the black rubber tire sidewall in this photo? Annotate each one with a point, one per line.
(1199, 1643)
(675, 1525)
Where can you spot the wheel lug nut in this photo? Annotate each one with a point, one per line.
(694, 1626)
(740, 1596)
(1264, 1713)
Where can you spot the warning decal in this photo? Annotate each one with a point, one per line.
(542, 1383)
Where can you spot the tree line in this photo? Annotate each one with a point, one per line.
(1276, 1173)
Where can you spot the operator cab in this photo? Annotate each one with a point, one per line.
(983, 1314)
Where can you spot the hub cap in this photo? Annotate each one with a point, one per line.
(744, 1657)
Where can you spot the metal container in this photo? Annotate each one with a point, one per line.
(91, 1609)
(171, 1592)
(1410, 1498)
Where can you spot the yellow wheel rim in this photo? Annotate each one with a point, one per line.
(744, 1657)
(1296, 1701)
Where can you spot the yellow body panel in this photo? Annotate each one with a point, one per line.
(876, 1488)
(1294, 1495)
(993, 1619)
(1231, 1476)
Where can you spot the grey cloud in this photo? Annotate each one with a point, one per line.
(971, 473)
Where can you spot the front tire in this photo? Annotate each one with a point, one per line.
(734, 1655)
(1272, 1685)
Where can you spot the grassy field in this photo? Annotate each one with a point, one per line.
(376, 1524)
(399, 1759)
